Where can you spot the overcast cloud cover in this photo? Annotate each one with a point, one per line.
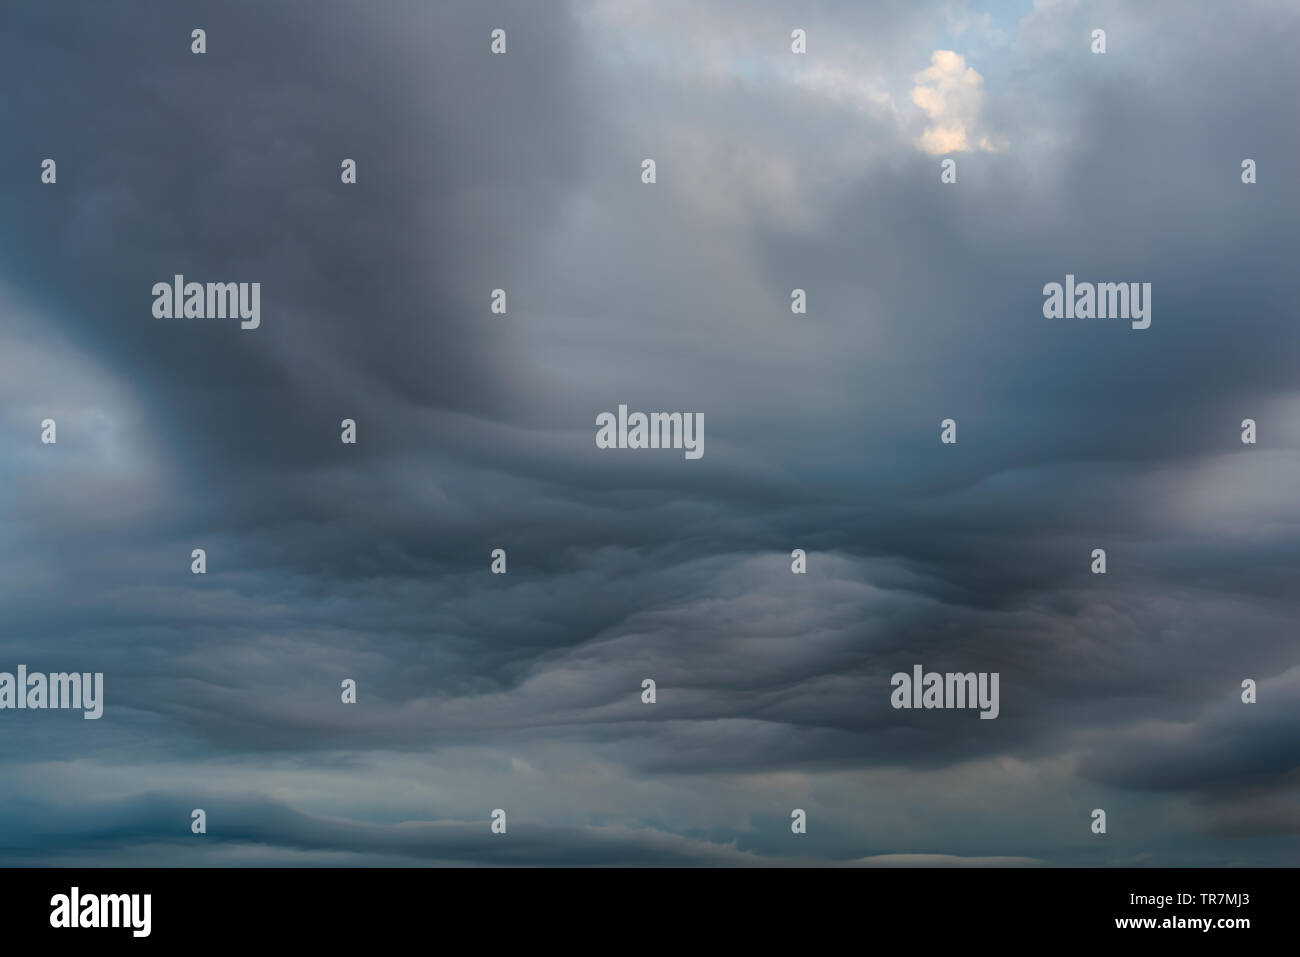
(775, 171)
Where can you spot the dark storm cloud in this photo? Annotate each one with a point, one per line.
(1227, 748)
(821, 432)
(379, 293)
(266, 825)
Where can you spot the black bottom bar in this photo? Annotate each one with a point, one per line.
(650, 907)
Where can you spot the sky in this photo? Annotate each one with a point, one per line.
(475, 431)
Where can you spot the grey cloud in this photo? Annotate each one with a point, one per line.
(475, 430)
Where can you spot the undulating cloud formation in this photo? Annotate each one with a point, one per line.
(475, 431)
